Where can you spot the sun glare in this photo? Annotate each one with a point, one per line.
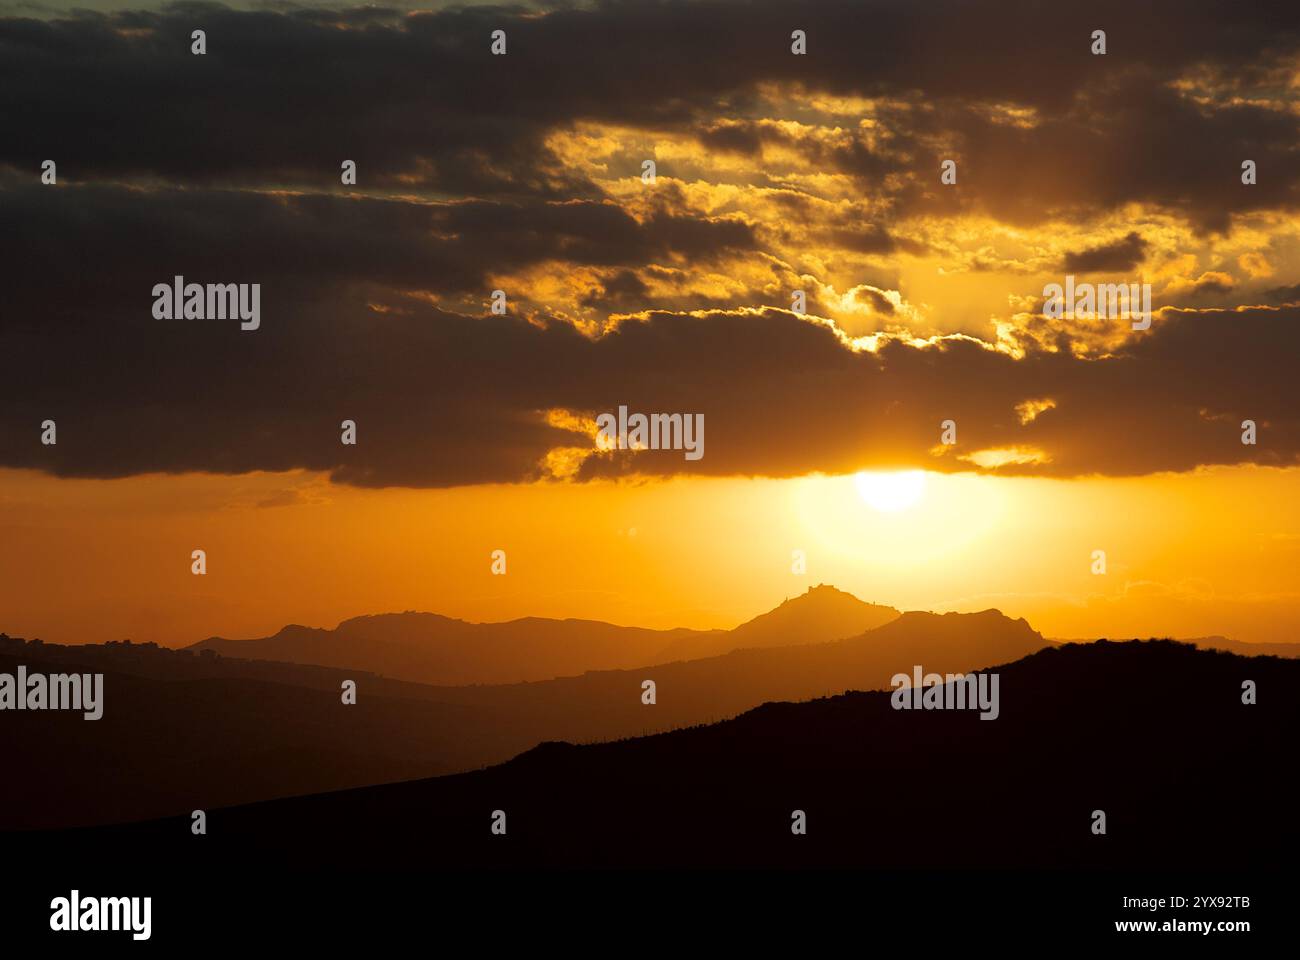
(891, 492)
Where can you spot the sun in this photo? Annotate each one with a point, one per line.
(891, 492)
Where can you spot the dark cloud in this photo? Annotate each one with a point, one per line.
(624, 292)
(870, 239)
(873, 298)
(1212, 286)
(734, 136)
(1124, 254)
(1289, 294)
(1081, 162)
(418, 100)
(79, 250)
(442, 398)
(225, 168)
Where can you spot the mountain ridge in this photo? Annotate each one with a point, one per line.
(447, 651)
(398, 730)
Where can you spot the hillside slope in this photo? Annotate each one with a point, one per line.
(1153, 733)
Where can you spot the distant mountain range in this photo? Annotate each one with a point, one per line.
(607, 704)
(1154, 734)
(181, 724)
(1231, 646)
(428, 648)
(185, 728)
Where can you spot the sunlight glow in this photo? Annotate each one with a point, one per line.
(891, 492)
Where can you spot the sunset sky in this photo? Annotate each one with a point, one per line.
(774, 173)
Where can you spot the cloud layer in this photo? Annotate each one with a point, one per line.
(523, 173)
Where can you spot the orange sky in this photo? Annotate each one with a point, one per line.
(775, 173)
(1188, 555)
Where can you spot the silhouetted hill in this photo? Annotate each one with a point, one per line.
(1241, 647)
(174, 730)
(151, 661)
(1246, 649)
(604, 704)
(251, 730)
(428, 648)
(1153, 733)
(821, 614)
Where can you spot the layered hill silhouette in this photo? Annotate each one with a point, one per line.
(1246, 649)
(1153, 733)
(605, 704)
(171, 732)
(181, 724)
(823, 613)
(429, 648)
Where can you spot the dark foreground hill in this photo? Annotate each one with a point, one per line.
(433, 649)
(172, 731)
(1153, 733)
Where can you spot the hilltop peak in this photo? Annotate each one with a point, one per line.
(825, 590)
(822, 613)
(821, 593)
